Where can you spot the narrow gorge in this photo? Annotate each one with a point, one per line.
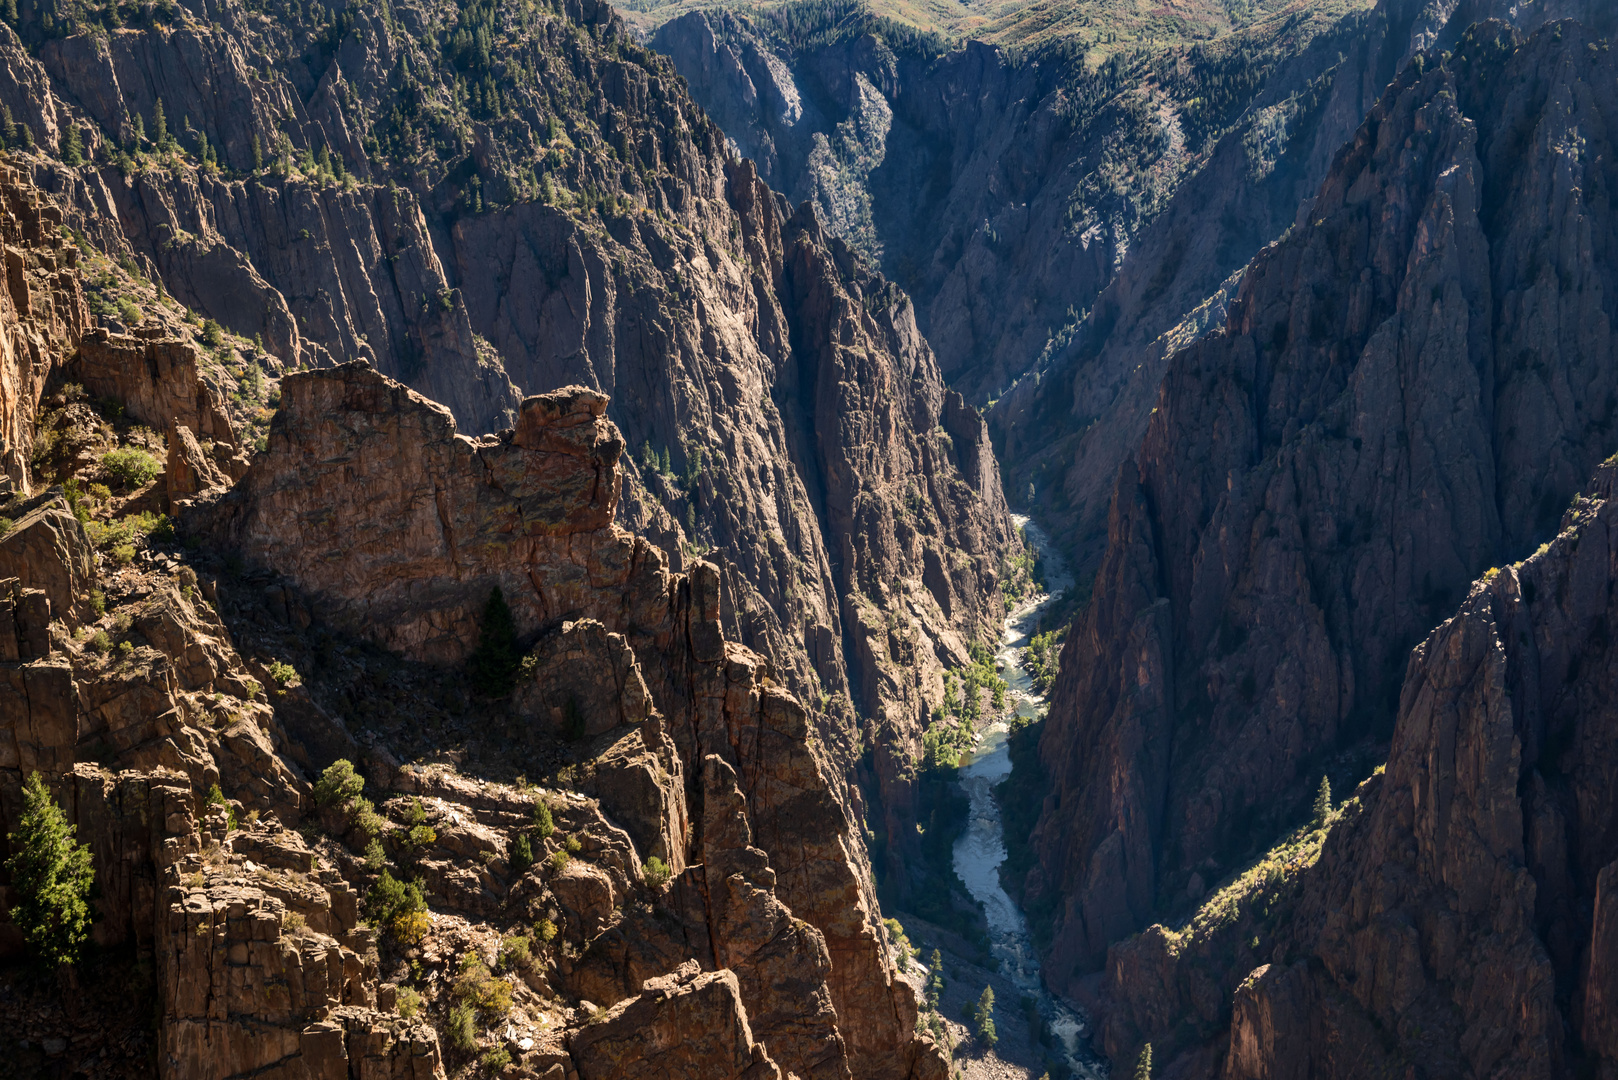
(826, 539)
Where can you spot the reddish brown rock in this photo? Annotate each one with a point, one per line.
(1468, 883)
(678, 1027)
(1599, 1029)
(190, 470)
(155, 378)
(47, 549)
(42, 312)
(411, 564)
(444, 519)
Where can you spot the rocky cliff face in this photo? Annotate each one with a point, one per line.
(481, 201)
(42, 312)
(149, 682)
(1454, 914)
(1052, 221)
(1381, 420)
(401, 534)
(1064, 228)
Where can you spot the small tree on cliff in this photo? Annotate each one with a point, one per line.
(984, 1015)
(1143, 1064)
(73, 146)
(494, 663)
(51, 878)
(1322, 809)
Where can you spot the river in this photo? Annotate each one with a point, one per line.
(980, 851)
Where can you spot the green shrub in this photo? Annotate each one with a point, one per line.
(363, 816)
(393, 904)
(130, 468)
(461, 1030)
(409, 1002)
(338, 783)
(655, 873)
(285, 675)
(544, 824)
(420, 837)
(573, 846)
(375, 857)
(100, 642)
(212, 335)
(497, 1059)
(522, 854)
(217, 798)
(1322, 807)
(476, 986)
(545, 931)
(515, 951)
(415, 813)
(51, 878)
(111, 536)
(559, 860)
(128, 311)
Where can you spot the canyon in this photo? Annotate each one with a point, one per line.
(508, 564)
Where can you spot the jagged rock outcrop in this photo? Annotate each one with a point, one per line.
(726, 908)
(1408, 389)
(42, 314)
(261, 967)
(46, 549)
(445, 520)
(653, 1033)
(155, 377)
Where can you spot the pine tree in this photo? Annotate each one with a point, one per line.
(493, 664)
(73, 148)
(258, 153)
(51, 878)
(138, 127)
(9, 12)
(1322, 802)
(984, 1014)
(160, 127)
(522, 853)
(1143, 1064)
